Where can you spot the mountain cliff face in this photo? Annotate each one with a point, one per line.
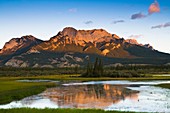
(97, 41)
(132, 41)
(18, 44)
(71, 47)
(16, 47)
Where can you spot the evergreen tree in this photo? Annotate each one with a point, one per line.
(100, 68)
(88, 68)
(95, 68)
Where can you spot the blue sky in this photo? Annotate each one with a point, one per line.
(44, 18)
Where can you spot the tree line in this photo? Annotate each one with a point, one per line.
(92, 69)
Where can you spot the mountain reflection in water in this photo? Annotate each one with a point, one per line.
(89, 96)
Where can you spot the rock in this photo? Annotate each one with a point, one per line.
(105, 51)
(36, 65)
(167, 64)
(148, 46)
(77, 59)
(47, 66)
(14, 63)
(32, 51)
(114, 65)
(25, 64)
(132, 41)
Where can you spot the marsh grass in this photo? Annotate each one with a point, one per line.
(12, 90)
(164, 86)
(78, 77)
(27, 110)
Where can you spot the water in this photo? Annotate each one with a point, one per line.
(107, 95)
(36, 81)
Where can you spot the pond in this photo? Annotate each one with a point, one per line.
(107, 95)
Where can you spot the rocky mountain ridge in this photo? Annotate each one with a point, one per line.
(96, 41)
(16, 44)
(71, 47)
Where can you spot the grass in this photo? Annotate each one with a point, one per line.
(164, 86)
(27, 110)
(11, 90)
(79, 78)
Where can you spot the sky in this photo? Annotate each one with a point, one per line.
(148, 21)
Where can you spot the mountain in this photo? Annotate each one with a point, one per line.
(97, 41)
(17, 46)
(71, 47)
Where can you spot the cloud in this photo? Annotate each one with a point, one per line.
(118, 21)
(138, 16)
(161, 25)
(88, 22)
(154, 7)
(135, 36)
(72, 10)
(157, 26)
(167, 24)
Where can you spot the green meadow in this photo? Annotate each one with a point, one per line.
(27, 110)
(11, 90)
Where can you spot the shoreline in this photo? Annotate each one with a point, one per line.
(31, 86)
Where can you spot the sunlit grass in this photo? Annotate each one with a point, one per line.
(12, 85)
(78, 77)
(11, 90)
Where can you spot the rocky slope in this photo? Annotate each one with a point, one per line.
(18, 44)
(71, 47)
(16, 47)
(97, 41)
